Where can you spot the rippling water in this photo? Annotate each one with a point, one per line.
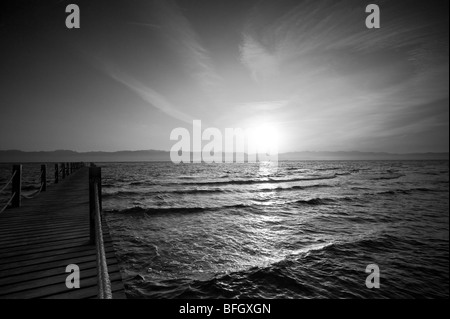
(304, 230)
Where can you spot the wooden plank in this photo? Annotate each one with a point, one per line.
(62, 241)
(31, 256)
(61, 288)
(90, 293)
(53, 258)
(43, 227)
(57, 279)
(20, 278)
(27, 250)
(40, 241)
(46, 235)
(20, 227)
(40, 238)
(53, 264)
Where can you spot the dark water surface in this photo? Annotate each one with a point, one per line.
(303, 230)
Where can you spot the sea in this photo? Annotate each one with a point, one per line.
(299, 229)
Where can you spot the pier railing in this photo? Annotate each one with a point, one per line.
(65, 169)
(96, 232)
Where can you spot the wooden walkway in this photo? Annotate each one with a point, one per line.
(47, 233)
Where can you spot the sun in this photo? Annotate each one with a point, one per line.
(264, 138)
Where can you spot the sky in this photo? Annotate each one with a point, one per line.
(310, 70)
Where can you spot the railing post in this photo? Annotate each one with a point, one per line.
(67, 169)
(63, 170)
(16, 185)
(56, 174)
(44, 177)
(95, 180)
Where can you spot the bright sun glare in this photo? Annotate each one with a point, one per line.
(265, 138)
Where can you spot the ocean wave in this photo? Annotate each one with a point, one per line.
(305, 243)
(252, 207)
(198, 191)
(396, 176)
(108, 185)
(322, 201)
(258, 281)
(314, 271)
(301, 202)
(142, 183)
(187, 177)
(131, 193)
(359, 188)
(215, 190)
(381, 243)
(410, 191)
(343, 174)
(138, 210)
(295, 187)
(314, 247)
(121, 194)
(260, 181)
(314, 201)
(291, 170)
(262, 190)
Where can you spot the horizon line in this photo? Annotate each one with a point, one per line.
(288, 152)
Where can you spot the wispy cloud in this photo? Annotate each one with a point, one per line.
(347, 83)
(186, 43)
(263, 105)
(149, 95)
(262, 64)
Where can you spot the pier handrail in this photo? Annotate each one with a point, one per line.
(33, 195)
(104, 283)
(12, 196)
(43, 183)
(95, 214)
(7, 203)
(16, 181)
(9, 182)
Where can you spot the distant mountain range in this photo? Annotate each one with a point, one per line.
(14, 156)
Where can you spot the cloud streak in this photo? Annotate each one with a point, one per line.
(149, 95)
(349, 84)
(182, 39)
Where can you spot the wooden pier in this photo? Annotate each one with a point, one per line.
(39, 239)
